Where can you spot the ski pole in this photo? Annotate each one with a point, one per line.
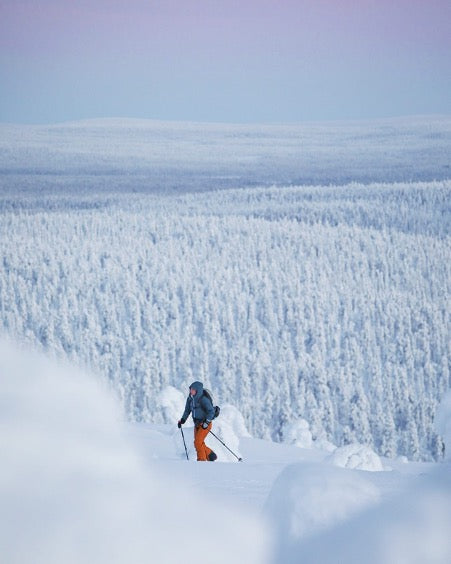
(183, 437)
(223, 443)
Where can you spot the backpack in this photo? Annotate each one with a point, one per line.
(210, 397)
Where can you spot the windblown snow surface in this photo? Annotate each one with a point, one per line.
(301, 272)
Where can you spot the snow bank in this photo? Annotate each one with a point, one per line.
(357, 457)
(308, 498)
(443, 423)
(413, 528)
(73, 490)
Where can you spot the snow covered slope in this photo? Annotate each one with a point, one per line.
(78, 485)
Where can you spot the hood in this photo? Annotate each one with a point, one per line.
(199, 387)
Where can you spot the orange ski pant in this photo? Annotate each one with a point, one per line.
(199, 437)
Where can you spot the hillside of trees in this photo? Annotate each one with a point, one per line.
(328, 304)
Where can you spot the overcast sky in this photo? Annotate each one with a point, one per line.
(223, 60)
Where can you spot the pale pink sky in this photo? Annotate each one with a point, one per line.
(224, 60)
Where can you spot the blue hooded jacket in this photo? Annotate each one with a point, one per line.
(199, 405)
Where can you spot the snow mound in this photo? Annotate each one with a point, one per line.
(443, 423)
(308, 498)
(412, 528)
(356, 457)
(321, 442)
(230, 416)
(172, 403)
(297, 433)
(73, 489)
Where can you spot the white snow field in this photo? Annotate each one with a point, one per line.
(79, 485)
(155, 254)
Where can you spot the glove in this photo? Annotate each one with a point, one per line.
(205, 424)
(180, 422)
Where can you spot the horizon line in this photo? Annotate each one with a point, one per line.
(337, 121)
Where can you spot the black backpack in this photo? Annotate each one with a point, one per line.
(217, 409)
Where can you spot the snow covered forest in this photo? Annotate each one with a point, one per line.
(327, 303)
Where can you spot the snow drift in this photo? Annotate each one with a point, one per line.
(412, 528)
(308, 498)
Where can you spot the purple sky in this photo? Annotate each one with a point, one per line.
(223, 60)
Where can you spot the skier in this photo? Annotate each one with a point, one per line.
(200, 406)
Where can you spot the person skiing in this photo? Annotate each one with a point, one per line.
(199, 404)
